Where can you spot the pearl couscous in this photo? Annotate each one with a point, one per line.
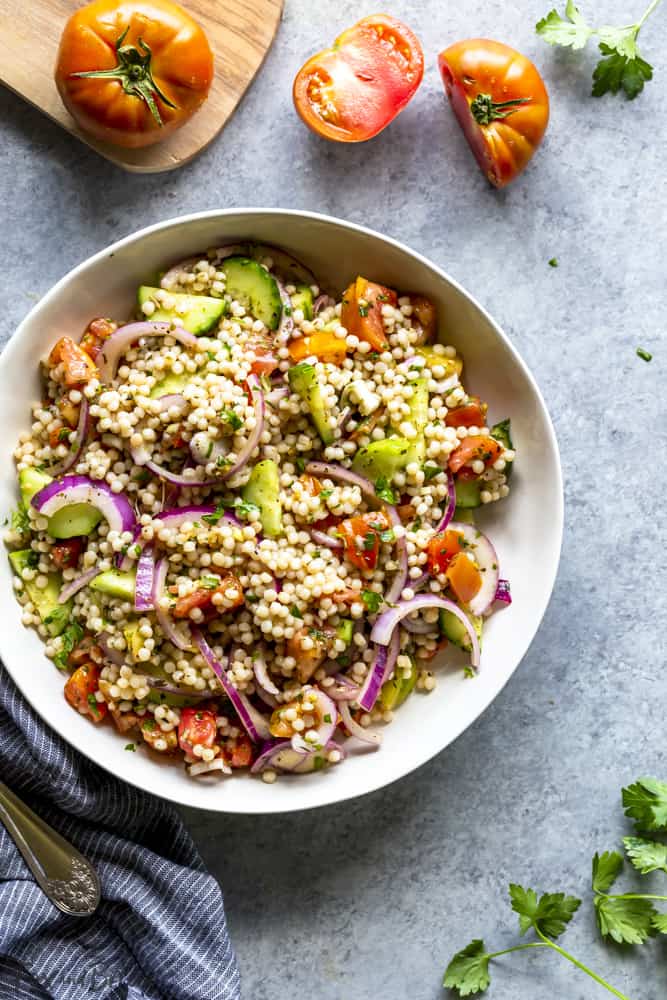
(246, 518)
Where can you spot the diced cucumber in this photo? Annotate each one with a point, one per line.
(74, 520)
(133, 639)
(345, 629)
(31, 481)
(454, 630)
(395, 691)
(465, 515)
(174, 700)
(382, 459)
(115, 583)
(503, 432)
(303, 300)
(468, 493)
(251, 285)
(263, 489)
(54, 615)
(171, 384)
(452, 366)
(197, 313)
(303, 381)
(418, 404)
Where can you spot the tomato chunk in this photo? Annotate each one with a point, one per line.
(441, 550)
(464, 577)
(80, 691)
(97, 331)
(265, 361)
(471, 414)
(241, 754)
(229, 589)
(362, 311)
(66, 554)
(324, 345)
(78, 369)
(423, 312)
(473, 448)
(361, 537)
(196, 728)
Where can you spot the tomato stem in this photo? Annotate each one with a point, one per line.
(485, 110)
(134, 73)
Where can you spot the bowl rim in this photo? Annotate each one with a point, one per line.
(494, 689)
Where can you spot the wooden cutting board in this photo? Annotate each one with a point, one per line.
(240, 33)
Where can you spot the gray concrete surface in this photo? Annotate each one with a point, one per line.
(369, 900)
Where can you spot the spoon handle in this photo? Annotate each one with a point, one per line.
(64, 875)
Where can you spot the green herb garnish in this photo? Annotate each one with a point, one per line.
(70, 637)
(384, 491)
(430, 471)
(644, 354)
(295, 613)
(372, 601)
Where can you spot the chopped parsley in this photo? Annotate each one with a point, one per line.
(318, 763)
(430, 471)
(92, 704)
(644, 355)
(19, 519)
(251, 598)
(372, 601)
(211, 357)
(295, 613)
(327, 718)
(553, 262)
(70, 637)
(232, 418)
(247, 511)
(369, 541)
(218, 514)
(300, 465)
(325, 494)
(388, 536)
(363, 309)
(131, 746)
(384, 491)
(209, 582)
(32, 559)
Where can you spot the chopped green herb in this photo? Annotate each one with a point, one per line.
(318, 634)
(325, 494)
(209, 450)
(344, 660)
(131, 746)
(251, 598)
(232, 418)
(92, 704)
(211, 355)
(430, 471)
(369, 541)
(218, 514)
(363, 309)
(388, 536)
(70, 637)
(553, 262)
(247, 511)
(327, 717)
(384, 490)
(287, 310)
(318, 763)
(644, 355)
(63, 434)
(33, 559)
(372, 601)
(20, 519)
(300, 465)
(295, 613)
(209, 582)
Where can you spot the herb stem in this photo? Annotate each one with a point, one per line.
(580, 965)
(647, 13)
(518, 947)
(635, 895)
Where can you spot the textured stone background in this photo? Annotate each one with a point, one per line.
(369, 900)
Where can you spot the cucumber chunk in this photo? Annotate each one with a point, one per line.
(468, 493)
(303, 381)
(303, 300)
(74, 520)
(345, 629)
(170, 385)
(464, 515)
(503, 432)
(383, 459)
(263, 490)
(418, 404)
(115, 583)
(196, 313)
(395, 691)
(54, 615)
(454, 630)
(133, 639)
(251, 285)
(31, 481)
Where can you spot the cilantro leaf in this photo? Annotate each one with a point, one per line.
(646, 855)
(70, 637)
(606, 869)
(572, 33)
(468, 971)
(295, 613)
(246, 510)
(384, 491)
(626, 921)
(20, 520)
(660, 923)
(646, 803)
(131, 746)
(616, 72)
(430, 471)
(549, 915)
(300, 465)
(372, 601)
(232, 418)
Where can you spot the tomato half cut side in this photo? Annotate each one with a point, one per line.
(353, 90)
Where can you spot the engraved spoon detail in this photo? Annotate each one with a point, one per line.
(65, 876)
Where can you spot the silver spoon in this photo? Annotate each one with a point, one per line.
(64, 875)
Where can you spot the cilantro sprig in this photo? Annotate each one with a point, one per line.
(622, 67)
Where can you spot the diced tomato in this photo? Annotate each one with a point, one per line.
(423, 312)
(66, 554)
(311, 485)
(471, 414)
(77, 366)
(156, 738)
(265, 361)
(361, 537)
(80, 690)
(347, 596)
(196, 728)
(324, 523)
(478, 446)
(324, 345)
(229, 587)
(464, 577)
(362, 311)
(59, 435)
(69, 411)
(309, 659)
(441, 550)
(94, 336)
(241, 754)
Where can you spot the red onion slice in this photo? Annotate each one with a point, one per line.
(322, 538)
(280, 756)
(141, 457)
(78, 443)
(164, 687)
(262, 677)
(74, 586)
(275, 395)
(355, 729)
(164, 620)
(143, 589)
(253, 721)
(400, 580)
(81, 489)
(320, 303)
(344, 689)
(252, 442)
(446, 519)
(379, 671)
(479, 546)
(385, 626)
(503, 593)
(121, 339)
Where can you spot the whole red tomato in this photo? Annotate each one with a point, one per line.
(133, 71)
(352, 91)
(500, 101)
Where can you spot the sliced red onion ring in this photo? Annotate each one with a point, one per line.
(262, 676)
(119, 341)
(332, 471)
(503, 593)
(141, 456)
(325, 709)
(275, 395)
(344, 689)
(143, 589)
(479, 546)
(81, 489)
(420, 582)
(78, 443)
(343, 418)
(74, 586)
(253, 440)
(322, 538)
(379, 671)
(355, 729)
(385, 626)
(267, 698)
(164, 620)
(278, 755)
(445, 521)
(320, 303)
(253, 721)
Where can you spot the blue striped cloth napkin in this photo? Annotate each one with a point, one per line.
(160, 931)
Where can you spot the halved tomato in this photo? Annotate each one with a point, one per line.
(197, 727)
(473, 447)
(353, 90)
(361, 537)
(441, 550)
(471, 414)
(361, 313)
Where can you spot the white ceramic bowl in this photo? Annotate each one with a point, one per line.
(526, 529)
